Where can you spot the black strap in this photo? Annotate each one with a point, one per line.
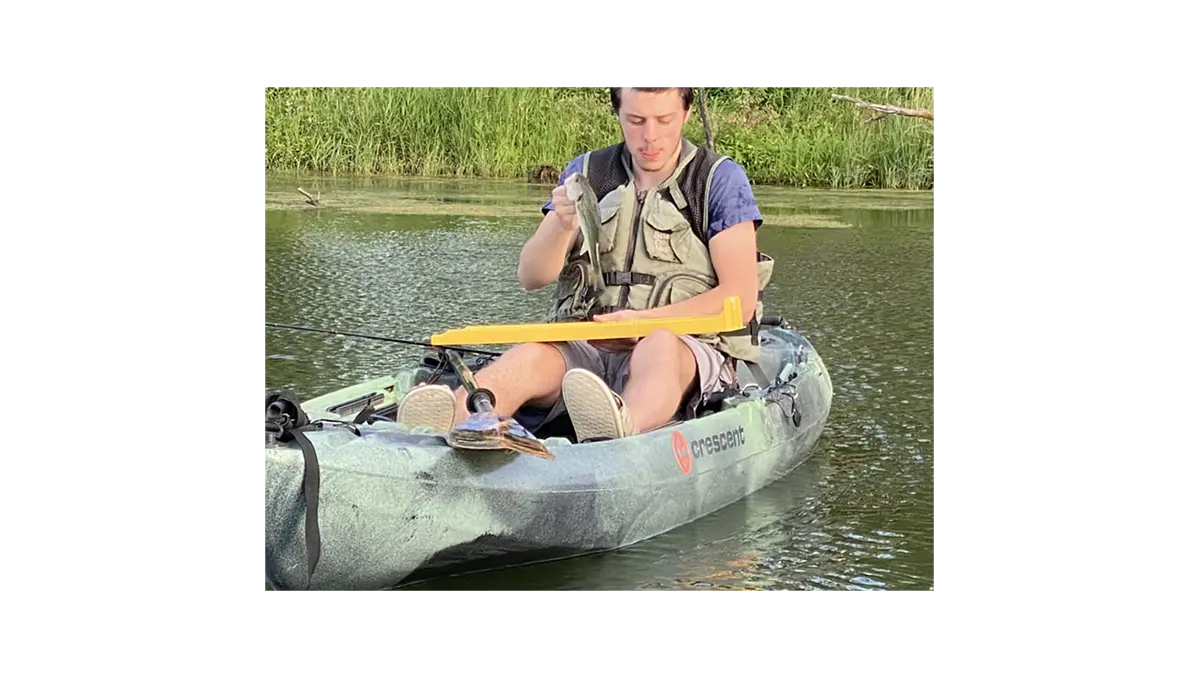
(362, 416)
(759, 375)
(756, 371)
(628, 278)
(750, 329)
(287, 421)
(312, 494)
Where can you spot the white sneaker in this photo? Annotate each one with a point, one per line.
(431, 405)
(596, 412)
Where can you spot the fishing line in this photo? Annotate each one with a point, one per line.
(387, 339)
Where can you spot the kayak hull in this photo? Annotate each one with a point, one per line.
(397, 506)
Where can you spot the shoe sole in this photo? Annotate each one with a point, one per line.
(590, 405)
(431, 407)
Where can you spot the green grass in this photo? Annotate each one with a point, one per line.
(783, 136)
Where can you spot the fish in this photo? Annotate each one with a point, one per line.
(580, 192)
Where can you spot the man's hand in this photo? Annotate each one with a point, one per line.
(564, 208)
(617, 316)
(543, 254)
(616, 345)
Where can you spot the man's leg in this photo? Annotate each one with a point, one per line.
(525, 374)
(662, 370)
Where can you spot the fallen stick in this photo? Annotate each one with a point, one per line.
(885, 110)
(311, 200)
(708, 135)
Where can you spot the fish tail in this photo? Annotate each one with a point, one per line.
(597, 278)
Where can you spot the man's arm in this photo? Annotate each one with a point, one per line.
(543, 255)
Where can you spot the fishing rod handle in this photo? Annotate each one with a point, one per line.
(478, 399)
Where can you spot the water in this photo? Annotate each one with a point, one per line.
(409, 258)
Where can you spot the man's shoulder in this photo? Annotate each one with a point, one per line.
(731, 198)
(728, 171)
(730, 181)
(575, 165)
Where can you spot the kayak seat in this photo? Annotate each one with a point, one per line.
(534, 421)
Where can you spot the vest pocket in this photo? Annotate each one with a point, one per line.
(569, 294)
(667, 239)
(679, 287)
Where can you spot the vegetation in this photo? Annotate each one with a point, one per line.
(783, 136)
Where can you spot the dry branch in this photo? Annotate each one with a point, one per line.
(315, 202)
(708, 135)
(885, 110)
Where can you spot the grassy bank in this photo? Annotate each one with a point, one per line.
(784, 136)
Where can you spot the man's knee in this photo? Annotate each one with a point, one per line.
(524, 366)
(529, 372)
(660, 345)
(661, 351)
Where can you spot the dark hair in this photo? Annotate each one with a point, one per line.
(614, 93)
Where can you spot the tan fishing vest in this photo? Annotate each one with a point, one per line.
(651, 255)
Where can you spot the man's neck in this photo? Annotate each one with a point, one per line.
(646, 180)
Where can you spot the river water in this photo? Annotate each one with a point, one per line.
(408, 258)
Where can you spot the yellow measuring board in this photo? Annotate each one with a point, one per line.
(727, 320)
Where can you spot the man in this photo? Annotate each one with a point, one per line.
(677, 238)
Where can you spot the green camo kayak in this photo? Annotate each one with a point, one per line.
(382, 506)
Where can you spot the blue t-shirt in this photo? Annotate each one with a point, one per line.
(730, 200)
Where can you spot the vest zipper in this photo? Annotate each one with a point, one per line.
(635, 233)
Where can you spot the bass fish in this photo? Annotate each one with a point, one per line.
(580, 192)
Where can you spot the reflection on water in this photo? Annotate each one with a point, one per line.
(857, 515)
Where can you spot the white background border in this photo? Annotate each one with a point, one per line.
(134, 275)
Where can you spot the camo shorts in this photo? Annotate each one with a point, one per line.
(715, 369)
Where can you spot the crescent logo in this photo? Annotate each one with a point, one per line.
(683, 456)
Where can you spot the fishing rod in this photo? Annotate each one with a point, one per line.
(478, 399)
(387, 339)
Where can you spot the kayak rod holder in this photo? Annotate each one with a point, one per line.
(478, 399)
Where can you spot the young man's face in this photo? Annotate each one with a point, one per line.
(653, 125)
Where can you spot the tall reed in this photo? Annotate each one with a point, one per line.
(786, 136)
